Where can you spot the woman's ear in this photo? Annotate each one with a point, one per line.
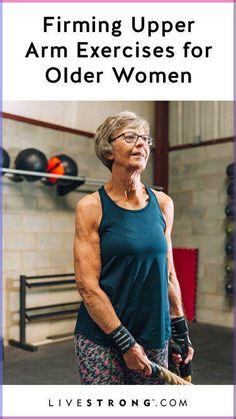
(108, 154)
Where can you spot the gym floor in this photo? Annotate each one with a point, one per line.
(54, 363)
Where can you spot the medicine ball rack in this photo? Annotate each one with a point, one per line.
(62, 190)
(75, 181)
(28, 314)
(230, 231)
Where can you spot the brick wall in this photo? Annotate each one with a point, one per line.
(198, 187)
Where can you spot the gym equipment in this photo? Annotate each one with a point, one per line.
(54, 311)
(183, 370)
(229, 266)
(5, 159)
(32, 160)
(74, 182)
(230, 228)
(179, 344)
(229, 247)
(230, 170)
(38, 312)
(229, 287)
(229, 210)
(122, 338)
(62, 165)
(169, 377)
(230, 190)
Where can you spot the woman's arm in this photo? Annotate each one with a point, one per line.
(87, 261)
(167, 208)
(176, 307)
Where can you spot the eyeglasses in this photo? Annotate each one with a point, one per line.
(132, 138)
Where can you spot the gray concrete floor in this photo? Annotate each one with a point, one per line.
(55, 364)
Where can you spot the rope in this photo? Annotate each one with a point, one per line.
(171, 378)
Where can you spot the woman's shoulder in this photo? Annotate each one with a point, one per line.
(164, 200)
(89, 207)
(167, 207)
(91, 199)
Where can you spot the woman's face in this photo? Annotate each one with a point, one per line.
(132, 156)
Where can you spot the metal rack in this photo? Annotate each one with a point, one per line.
(28, 314)
(75, 181)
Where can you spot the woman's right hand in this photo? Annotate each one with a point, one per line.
(136, 360)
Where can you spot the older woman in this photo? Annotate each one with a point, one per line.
(124, 266)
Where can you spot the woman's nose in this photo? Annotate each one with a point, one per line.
(140, 141)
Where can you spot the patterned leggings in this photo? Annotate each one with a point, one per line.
(101, 365)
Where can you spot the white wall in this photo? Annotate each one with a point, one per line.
(194, 122)
(80, 115)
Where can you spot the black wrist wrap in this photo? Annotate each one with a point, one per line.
(155, 369)
(122, 338)
(180, 332)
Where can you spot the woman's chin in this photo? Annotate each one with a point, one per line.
(137, 167)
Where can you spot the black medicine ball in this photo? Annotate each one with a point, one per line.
(229, 287)
(4, 159)
(230, 170)
(32, 160)
(230, 190)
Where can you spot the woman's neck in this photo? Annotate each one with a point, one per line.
(125, 184)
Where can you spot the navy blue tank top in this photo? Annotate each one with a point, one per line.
(134, 273)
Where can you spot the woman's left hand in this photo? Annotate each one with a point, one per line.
(177, 358)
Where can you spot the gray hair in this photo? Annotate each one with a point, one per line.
(103, 148)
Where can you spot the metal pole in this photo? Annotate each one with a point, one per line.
(87, 181)
(54, 176)
(22, 307)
